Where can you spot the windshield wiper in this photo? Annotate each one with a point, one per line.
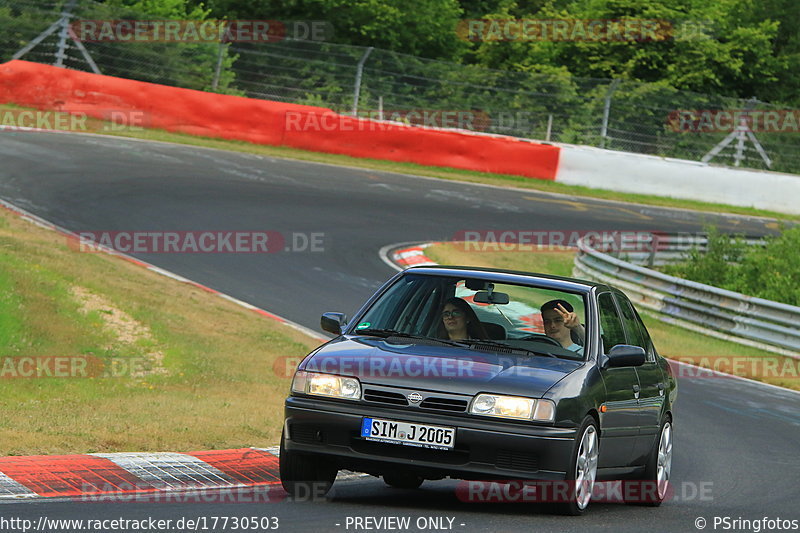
(489, 342)
(394, 333)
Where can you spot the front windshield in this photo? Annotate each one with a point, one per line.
(466, 310)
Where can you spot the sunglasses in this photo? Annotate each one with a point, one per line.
(453, 314)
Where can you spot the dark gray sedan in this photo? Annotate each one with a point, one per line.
(482, 374)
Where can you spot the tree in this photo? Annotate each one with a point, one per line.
(418, 27)
(701, 46)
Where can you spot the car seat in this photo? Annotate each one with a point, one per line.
(495, 332)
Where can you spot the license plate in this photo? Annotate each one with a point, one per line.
(422, 435)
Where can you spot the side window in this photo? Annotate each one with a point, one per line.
(610, 325)
(427, 319)
(632, 328)
(419, 310)
(649, 347)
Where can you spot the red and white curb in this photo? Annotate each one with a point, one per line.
(229, 475)
(135, 473)
(405, 255)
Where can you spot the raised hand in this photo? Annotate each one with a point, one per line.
(570, 318)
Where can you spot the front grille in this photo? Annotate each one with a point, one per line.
(509, 460)
(444, 404)
(380, 396)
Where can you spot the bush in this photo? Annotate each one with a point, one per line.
(771, 272)
(717, 265)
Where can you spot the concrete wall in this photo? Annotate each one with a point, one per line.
(677, 178)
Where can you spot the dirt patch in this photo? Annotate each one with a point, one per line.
(124, 327)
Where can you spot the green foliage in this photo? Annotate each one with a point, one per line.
(419, 27)
(771, 272)
(721, 47)
(717, 265)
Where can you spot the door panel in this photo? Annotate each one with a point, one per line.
(620, 423)
(651, 380)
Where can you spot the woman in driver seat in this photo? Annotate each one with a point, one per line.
(459, 321)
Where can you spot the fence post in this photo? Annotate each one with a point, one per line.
(651, 260)
(606, 112)
(359, 71)
(549, 127)
(220, 54)
(62, 36)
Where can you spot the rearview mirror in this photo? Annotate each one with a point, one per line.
(484, 297)
(333, 322)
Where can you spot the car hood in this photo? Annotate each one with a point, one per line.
(450, 369)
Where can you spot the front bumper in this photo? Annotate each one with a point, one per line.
(484, 449)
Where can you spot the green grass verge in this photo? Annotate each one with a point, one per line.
(671, 341)
(161, 365)
(501, 180)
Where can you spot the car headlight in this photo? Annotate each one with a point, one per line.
(513, 407)
(328, 385)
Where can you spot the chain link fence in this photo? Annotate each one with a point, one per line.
(613, 114)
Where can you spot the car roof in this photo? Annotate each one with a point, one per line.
(509, 276)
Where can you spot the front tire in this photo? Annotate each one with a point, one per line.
(583, 469)
(305, 476)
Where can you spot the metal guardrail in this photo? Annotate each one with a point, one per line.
(772, 326)
(661, 248)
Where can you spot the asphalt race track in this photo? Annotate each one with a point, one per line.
(736, 443)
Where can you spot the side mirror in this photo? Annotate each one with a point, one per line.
(333, 322)
(625, 355)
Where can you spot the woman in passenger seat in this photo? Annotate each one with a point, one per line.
(459, 321)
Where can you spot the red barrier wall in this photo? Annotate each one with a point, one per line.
(272, 123)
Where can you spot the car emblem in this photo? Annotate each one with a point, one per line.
(414, 397)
